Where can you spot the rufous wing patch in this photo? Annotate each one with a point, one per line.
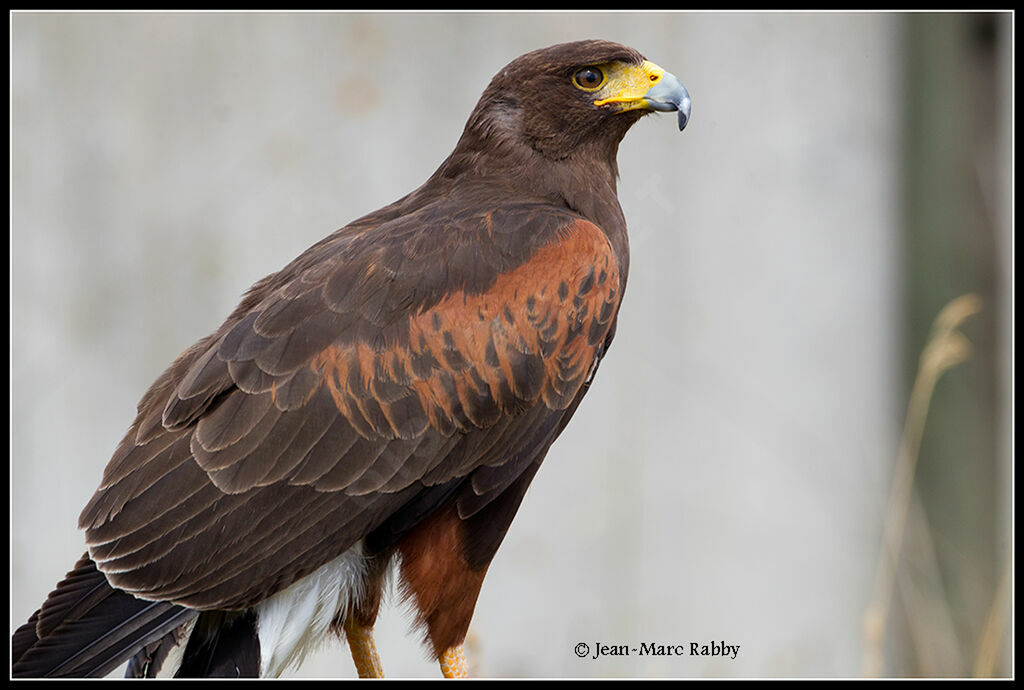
(532, 336)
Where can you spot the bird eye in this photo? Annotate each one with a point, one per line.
(589, 78)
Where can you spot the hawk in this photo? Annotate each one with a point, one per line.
(384, 399)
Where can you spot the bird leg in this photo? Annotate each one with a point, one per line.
(358, 621)
(453, 663)
(442, 584)
(364, 650)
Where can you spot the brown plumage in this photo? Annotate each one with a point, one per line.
(394, 388)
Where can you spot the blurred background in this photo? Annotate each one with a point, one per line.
(741, 464)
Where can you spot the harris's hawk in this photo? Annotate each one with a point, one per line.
(386, 397)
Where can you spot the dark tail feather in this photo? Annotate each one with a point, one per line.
(223, 644)
(88, 628)
(148, 661)
(23, 638)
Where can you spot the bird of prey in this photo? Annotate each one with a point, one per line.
(384, 399)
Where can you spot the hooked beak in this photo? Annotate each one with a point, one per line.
(667, 95)
(645, 87)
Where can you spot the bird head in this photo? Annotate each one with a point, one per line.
(573, 97)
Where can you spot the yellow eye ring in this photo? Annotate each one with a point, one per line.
(589, 79)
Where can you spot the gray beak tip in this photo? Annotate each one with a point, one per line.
(683, 108)
(670, 94)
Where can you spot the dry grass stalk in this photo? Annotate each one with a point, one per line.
(946, 348)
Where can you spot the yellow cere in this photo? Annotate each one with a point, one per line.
(627, 84)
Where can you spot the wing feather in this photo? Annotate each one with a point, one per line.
(370, 374)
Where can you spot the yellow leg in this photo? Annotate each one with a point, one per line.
(453, 663)
(364, 650)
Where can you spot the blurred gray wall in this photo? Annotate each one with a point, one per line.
(725, 478)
